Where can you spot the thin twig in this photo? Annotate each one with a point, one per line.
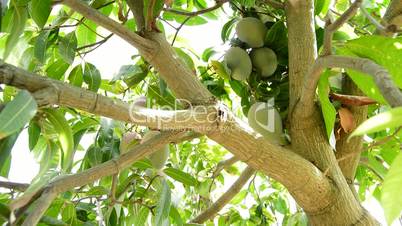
(196, 13)
(332, 27)
(226, 197)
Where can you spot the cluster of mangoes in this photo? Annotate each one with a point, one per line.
(240, 62)
(262, 117)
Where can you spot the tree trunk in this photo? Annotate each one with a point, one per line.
(308, 134)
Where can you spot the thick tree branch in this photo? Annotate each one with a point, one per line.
(392, 17)
(380, 75)
(225, 198)
(137, 8)
(67, 182)
(332, 27)
(218, 4)
(51, 92)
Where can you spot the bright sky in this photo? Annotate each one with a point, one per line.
(108, 60)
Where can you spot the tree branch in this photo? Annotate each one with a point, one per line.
(67, 182)
(218, 4)
(146, 47)
(14, 186)
(137, 8)
(51, 92)
(332, 27)
(157, 51)
(380, 75)
(392, 16)
(224, 164)
(225, 198)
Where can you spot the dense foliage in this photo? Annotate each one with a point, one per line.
(51, 40)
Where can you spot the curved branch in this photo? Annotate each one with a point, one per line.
(225, 198)
(52, 92)
(332, 27)
(224, 164)
(67, 182)
(380, 75)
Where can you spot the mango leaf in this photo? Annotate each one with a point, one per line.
(19, 17)
(40, 11)
(6, 145)
(33, 134)
(141, 218)
(67, 47)
(181, 176)
(382, 121)
(92, 77)
(380, 50)
(328, 110)
(17, 113)
(163, 206)
(65, 136)
(391, 196)
(40, 46)
(57, 69)
(227, 28)
(86, 33)
(76, 76)
(175, 215)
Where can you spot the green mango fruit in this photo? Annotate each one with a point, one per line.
(159, 158)
(251, 31)
(239, 63)
(264, 61)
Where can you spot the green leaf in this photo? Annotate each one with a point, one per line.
(40, 46)
(220, 69)
(17, 113)
(382, 121)
(208, 53)
(57, 69)
(97, 191)
(380, 50)
(65, 136)
(67, 47)
(76, 76)
(328, 110)
(19, 17)
(92, 77)
(68, 212)
(141, 217)
(227, 28)
(163, 206)
(175, 215)
(181, 176)
(34, 134)
(6, 145)
(86, 33)
(40, 11)
(391, 197)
